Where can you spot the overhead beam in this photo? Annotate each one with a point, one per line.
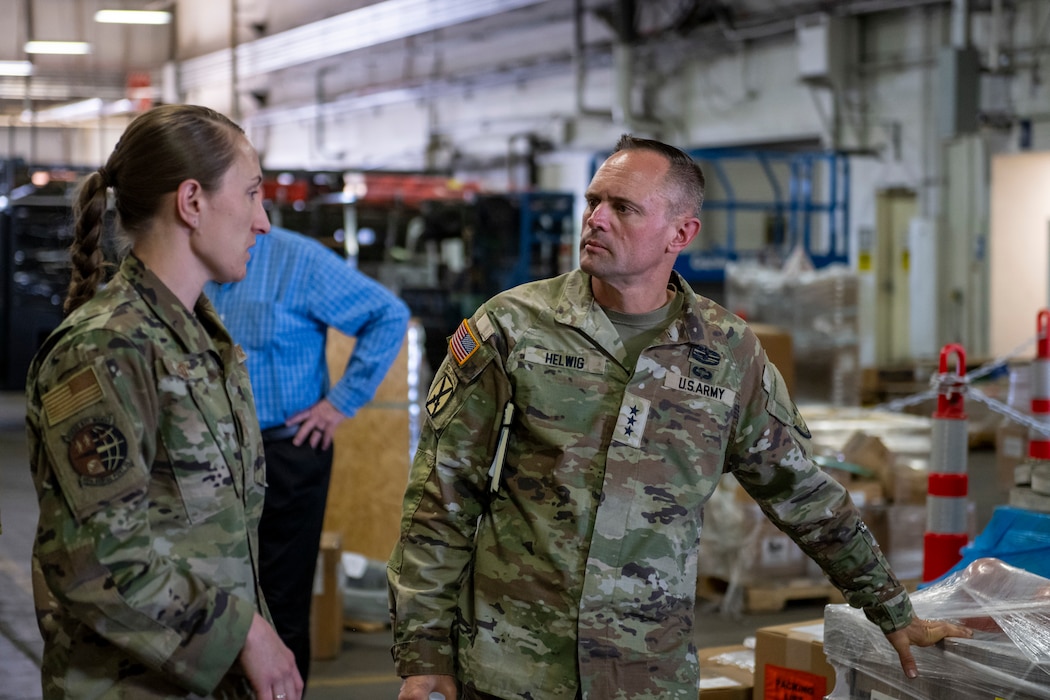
(350, 31)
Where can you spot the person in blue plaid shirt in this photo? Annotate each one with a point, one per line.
(296, 289)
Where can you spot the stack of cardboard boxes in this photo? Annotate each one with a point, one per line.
(1027, 481)
(743, 555)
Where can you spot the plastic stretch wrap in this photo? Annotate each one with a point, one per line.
(1009, 656)
(819, 308)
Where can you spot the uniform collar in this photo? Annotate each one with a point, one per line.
(578, 308)
(195, 331)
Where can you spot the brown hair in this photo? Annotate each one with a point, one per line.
(683, 172)
(159, 150)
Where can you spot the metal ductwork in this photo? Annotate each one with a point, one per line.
(350, 31)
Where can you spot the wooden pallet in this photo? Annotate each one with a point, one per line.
(774, 598)
(758, 598)
(367, 626)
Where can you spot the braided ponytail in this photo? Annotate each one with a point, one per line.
(89, 210)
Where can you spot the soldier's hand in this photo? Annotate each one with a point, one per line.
(317, 424)
(922, 633)
(269, 664)
(420, 687)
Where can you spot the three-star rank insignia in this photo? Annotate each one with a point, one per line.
(630, 423)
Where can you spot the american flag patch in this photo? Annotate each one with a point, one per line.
(462, 344)
(65, 400)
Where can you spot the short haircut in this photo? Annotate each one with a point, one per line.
(683, 173)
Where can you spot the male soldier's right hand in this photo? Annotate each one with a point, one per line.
(420, 687)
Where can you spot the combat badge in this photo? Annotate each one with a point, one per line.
(440, 392)
(98, 452)
(707, 358)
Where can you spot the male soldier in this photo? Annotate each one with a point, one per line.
(549, 538)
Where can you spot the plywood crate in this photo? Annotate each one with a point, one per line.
(371, 461)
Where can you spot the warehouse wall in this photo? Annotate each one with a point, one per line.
(1020, 247)
(463, 101)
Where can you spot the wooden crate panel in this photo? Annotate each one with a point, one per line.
(371, 462)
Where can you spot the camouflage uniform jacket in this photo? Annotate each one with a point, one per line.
(575, 569)
(149, 469)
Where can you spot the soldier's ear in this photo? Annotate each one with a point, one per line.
(686, 229)
(188, 201)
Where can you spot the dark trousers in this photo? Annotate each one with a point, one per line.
(290, 537)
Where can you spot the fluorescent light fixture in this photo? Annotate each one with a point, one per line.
(85, 110)
(62, 48)
(133, 16)
(16, 68)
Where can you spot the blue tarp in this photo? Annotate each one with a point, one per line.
(1016, 536)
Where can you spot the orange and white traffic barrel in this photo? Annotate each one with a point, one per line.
(1038, 443)
(947, 482)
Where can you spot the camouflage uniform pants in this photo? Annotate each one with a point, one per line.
(469, 692)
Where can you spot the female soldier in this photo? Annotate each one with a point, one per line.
(145, 452)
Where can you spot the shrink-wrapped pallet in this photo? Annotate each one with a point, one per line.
(1008, 657)
(819, 309)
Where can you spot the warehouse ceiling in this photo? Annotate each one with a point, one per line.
(128, 61)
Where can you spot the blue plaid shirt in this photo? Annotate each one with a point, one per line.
(280, 313)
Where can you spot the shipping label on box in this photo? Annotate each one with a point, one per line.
(792, 684)
(790, 662)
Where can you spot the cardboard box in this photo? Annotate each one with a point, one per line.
(326, 611)
(870, 453)
(867, 494)
(779, 349)
(790, 662)
(757, 553)
(910, 482)
(727, 673)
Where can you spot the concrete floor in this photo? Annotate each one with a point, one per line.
(363, 669)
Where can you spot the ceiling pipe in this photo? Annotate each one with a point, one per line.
(961, 24)
(368, 26)
(235, 98)
(993, 38)
(623, 68)
(579, 62)
(319, 125)
(765, 26)
(524, 160)
(27, 99)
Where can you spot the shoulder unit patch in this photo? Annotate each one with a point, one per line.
(440, 392)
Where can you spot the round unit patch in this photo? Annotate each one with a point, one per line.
(98, 452)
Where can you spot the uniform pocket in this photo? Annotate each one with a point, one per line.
(197, 430)
(779, 403)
